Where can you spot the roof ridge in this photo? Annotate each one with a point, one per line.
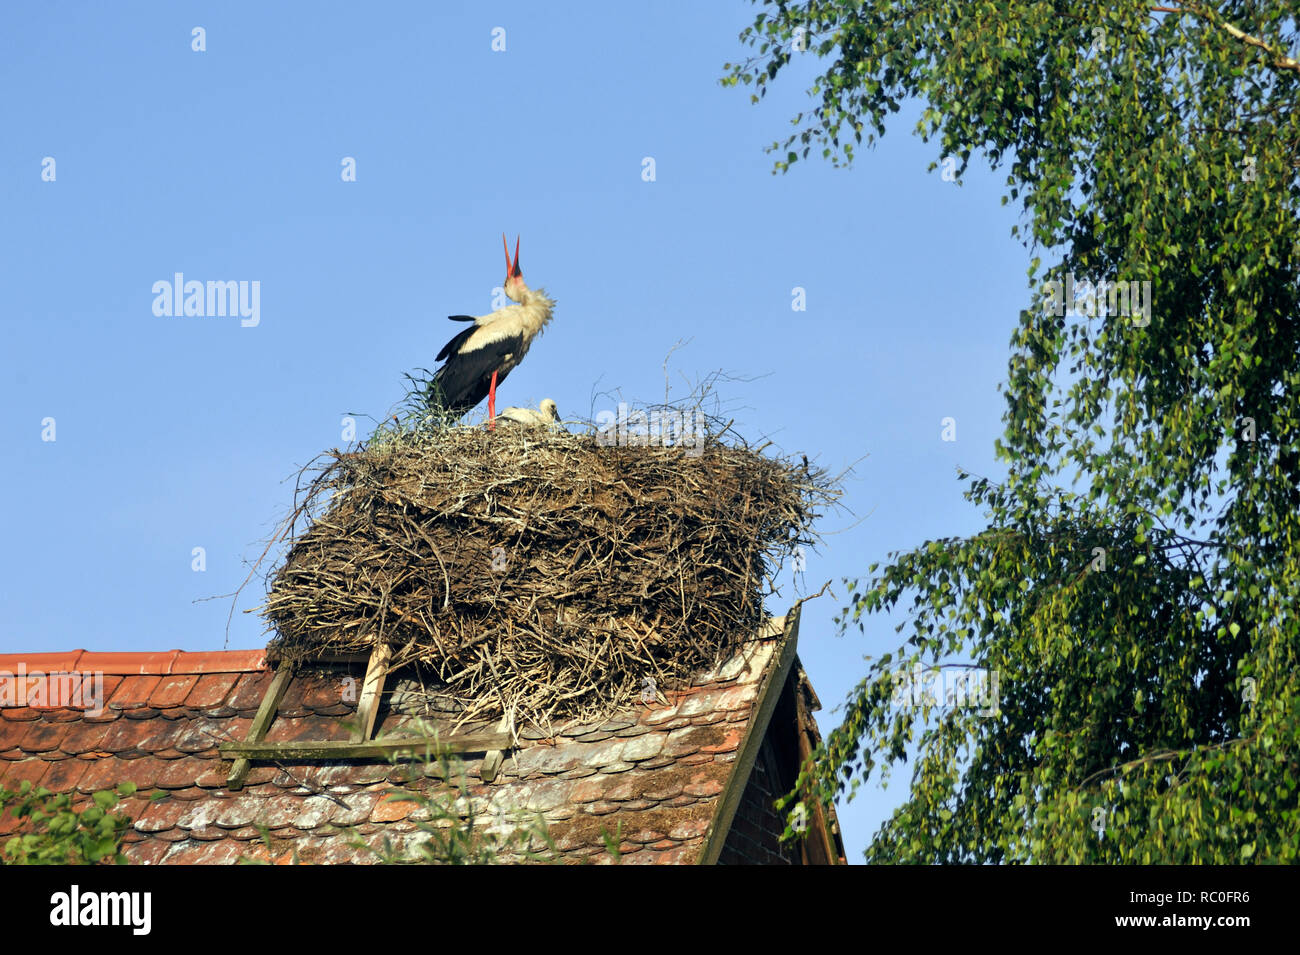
(136, 663)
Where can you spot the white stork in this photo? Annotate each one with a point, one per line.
(483, 354)
(545, 415)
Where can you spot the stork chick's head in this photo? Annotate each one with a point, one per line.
(514, 285)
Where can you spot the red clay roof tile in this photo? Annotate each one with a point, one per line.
(42, 737)
(160, 815)
(391, 810)
(105, 715)
(201, 733)
(239, 811)
(29, 769)
(199, 813)
(257, 775)
(316, 811)
(281, 810)
(211, 690)
(696, 759)
(83, 737)
(643, 747)
(703, 787)
(144, 772)
(214, 777)
(111, 682)
(103, 773)
(324, 690)
(11, 734)
(589, 790)
(357, 807)
(149, 852)
(340, 775)
(140, 712)
(549, 759)
(683, 855)
(222, 852)
(689, 829)
(729, 742)
(236, 730)
(63, 775)
(123, 735)
(332, 852)
(308, 727)
(132, 806)
(251, 688)
(292, 704)
(172, 690)
(244, 833)
(158, 735)
(132, 692)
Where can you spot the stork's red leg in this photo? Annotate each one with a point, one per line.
(492, 403)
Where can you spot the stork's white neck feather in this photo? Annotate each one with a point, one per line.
(530, 316)
(527, 319)
(537, 307)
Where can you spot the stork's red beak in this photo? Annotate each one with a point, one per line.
(512, 271)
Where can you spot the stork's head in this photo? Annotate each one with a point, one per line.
(514, 285)
(549, 410)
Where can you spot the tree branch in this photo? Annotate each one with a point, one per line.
(1280, 60)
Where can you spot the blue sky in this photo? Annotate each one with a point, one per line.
(173, 433)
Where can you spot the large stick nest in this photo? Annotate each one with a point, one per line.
(539, 574)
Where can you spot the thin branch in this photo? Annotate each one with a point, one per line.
(1280, 61)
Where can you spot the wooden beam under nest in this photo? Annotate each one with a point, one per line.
(403, 747)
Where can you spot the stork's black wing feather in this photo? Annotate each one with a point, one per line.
(453, 346)
(461, 318)
(466, 377)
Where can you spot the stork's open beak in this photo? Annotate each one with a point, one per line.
(512, 271)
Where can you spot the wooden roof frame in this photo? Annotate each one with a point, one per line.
(361, 746)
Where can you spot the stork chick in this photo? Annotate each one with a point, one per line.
(545, 415)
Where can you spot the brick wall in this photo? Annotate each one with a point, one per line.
(755, 833)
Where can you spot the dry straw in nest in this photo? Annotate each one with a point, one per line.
(544, 575)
